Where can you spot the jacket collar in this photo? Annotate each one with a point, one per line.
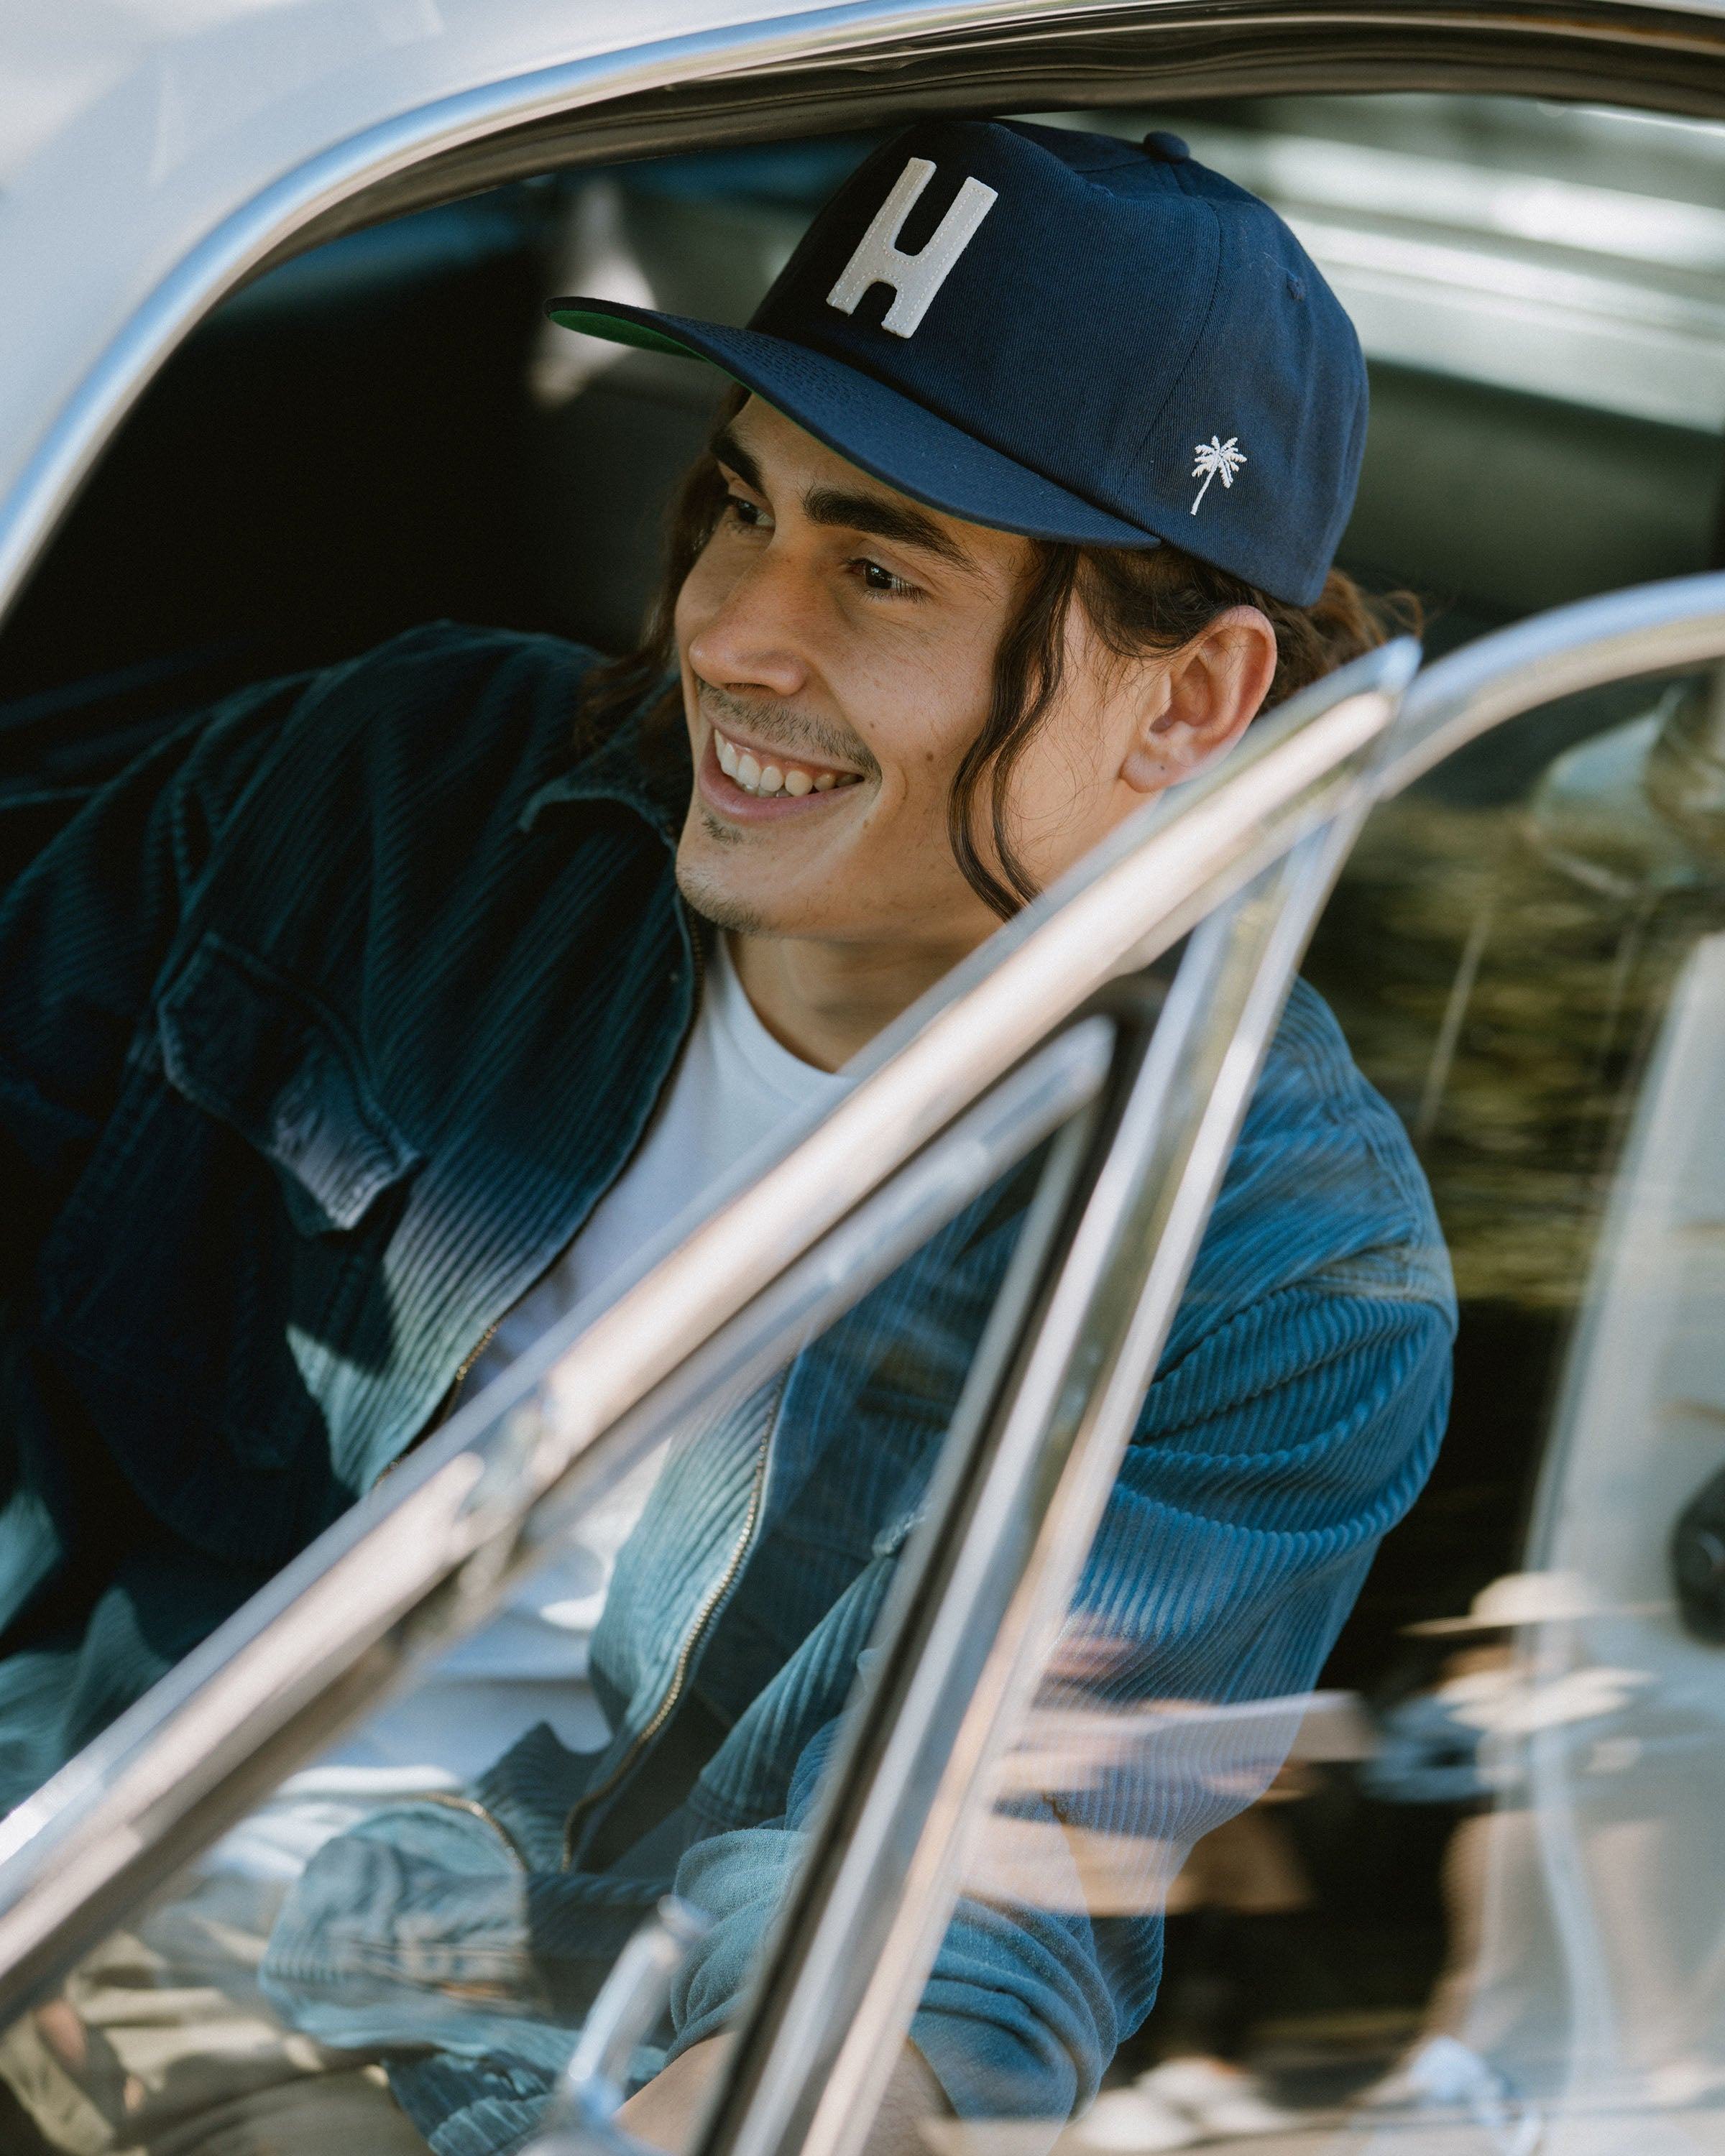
(644, 764)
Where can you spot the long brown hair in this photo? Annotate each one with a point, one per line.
(1139, 600)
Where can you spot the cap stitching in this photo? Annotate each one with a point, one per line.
(920, 490)
(1210, 305)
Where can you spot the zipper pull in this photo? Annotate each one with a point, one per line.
(580, 2118)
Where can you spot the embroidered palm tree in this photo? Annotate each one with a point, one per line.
(1215, 458)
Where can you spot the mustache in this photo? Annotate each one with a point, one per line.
(774, 728)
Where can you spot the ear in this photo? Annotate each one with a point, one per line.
(1212, 689)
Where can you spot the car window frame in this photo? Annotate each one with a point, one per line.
(869, 63)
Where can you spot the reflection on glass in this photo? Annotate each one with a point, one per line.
(423, 1927)
(404, 1944)
(1455, 1893)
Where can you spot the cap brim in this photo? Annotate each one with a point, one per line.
(879, 430)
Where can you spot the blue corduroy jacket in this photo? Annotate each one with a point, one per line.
(323, 1030)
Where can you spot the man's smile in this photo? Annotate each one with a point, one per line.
(748, 780)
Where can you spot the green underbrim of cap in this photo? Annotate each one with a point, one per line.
(616, 331)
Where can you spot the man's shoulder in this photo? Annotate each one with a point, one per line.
(1325, 1183)
(448, 682)
(416, 732)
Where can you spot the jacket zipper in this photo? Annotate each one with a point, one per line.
(697, 951)
(711, 1603)
(473, 1353)
(451, 1399)
(476, 1810)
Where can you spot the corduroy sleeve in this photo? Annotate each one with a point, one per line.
(83, 933)
(1272, 1456)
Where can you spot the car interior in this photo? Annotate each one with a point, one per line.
(384, 431)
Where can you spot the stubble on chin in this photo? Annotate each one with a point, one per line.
(718, 907)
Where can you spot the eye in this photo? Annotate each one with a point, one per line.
(875, 578)
(748, 514)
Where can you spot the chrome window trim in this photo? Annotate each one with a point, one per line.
(1042, 57)
(1645, 629)
(1583, 49)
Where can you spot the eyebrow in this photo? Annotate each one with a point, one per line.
(854, 510)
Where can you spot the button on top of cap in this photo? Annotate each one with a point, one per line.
(1161, 144)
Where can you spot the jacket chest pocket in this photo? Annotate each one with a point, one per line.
(217, 1250)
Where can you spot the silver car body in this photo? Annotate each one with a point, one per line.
(153, 155)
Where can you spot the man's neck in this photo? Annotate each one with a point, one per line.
(825, 1001)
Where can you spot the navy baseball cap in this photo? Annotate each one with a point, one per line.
(1060, 334)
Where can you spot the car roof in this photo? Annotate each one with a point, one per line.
(131, 132)
(153, 151)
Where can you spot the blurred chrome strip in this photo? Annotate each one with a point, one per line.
(1645, 630)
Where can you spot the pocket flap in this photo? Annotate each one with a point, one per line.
(244, 1043)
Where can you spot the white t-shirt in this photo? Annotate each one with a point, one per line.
(734, 1091)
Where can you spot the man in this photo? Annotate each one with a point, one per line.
(362, 1026)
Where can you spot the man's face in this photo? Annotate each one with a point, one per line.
(836, 642)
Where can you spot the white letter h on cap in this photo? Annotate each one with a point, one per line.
(914, 279)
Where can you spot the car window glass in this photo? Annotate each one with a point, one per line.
(1458, 1892)
(437, 1899)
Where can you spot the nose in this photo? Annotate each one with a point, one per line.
(750, 640)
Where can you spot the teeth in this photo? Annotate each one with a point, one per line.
(756, 777)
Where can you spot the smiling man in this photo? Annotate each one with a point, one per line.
(837, 645)
(374, 1021)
